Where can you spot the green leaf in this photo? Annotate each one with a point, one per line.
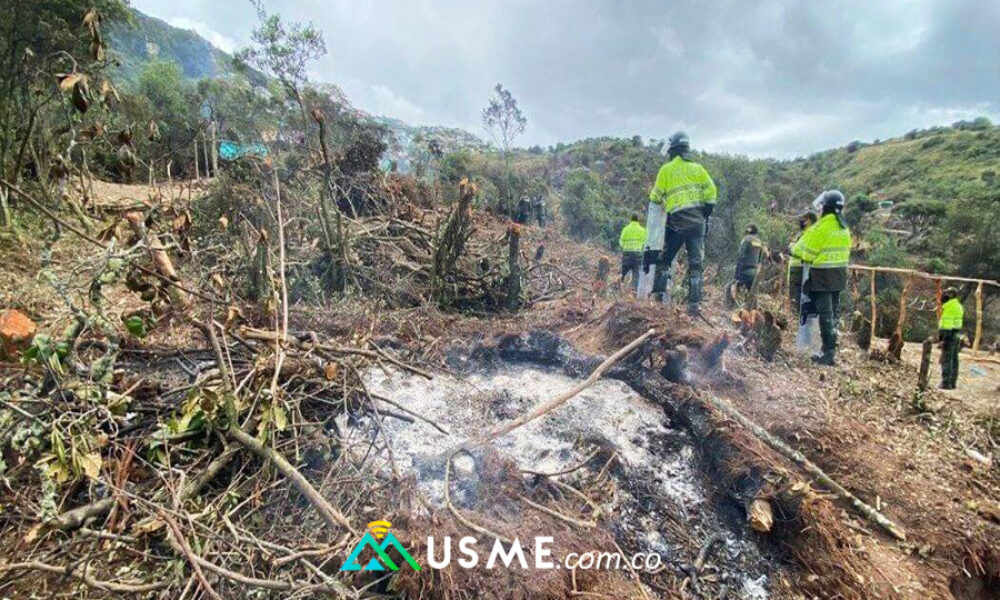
(136, 326)
(280, 418)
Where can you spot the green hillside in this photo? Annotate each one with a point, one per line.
(145, 39)
(910, 199)
(940, 164)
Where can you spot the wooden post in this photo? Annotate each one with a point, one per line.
(514, 266)
(170, 180)
(901, 322)
(208, 163)
(215, 151)
(786, 305)
(896, 341)
(197, 173)
(152, 187)
(937, 292)
(925, 365)
(979, 319)
(871, 337)
(5, 220)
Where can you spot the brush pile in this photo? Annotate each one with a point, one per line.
(160, 443)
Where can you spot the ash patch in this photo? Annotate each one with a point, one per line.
(660, 503)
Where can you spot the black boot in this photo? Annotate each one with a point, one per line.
(828, 358)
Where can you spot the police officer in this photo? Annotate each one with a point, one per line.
(806, 220)
(748, 258)
(950, 336)
(688, 195)
(538, 208)
(523, 210)
(631, 240)
(826, 251)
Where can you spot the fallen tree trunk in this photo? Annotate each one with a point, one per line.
(331, 515)
(808, 466)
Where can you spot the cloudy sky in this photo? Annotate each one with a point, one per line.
(765, 78)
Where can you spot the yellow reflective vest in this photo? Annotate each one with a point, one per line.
(951, 315)
(826, 245)
(795, 251)
(682, 184)
(633, 237)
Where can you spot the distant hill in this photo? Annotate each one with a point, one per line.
(146, 38)
(942, 163)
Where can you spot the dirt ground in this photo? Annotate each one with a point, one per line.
(927, 461)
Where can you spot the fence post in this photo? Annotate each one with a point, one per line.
(874, 309)
(5, 220)
(937, 292)
(979, 319)
(215, 152)
(208, 162)
(902, 306)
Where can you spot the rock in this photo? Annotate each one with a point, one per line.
(16, 333)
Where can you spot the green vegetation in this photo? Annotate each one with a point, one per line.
(907, 195)
(142, 39)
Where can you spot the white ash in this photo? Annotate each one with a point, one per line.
(609, 411)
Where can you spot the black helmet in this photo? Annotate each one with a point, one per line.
(752, 228)
(830, 200)
(680, 141)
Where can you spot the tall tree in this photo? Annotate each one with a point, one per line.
(505, 122)
(283, 52)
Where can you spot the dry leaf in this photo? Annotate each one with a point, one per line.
(761, 516)
(330, 370)
(67, 81)
(90, 464)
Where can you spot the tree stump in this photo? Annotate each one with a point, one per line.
(925, 365)
(675, 362)
(861, 328)
(16, 333)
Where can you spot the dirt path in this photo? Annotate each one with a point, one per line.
(978, 379)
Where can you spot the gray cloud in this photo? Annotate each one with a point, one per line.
(766, 78)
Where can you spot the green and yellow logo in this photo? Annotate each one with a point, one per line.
(379, 539)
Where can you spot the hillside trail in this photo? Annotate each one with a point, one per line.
(857, 421)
